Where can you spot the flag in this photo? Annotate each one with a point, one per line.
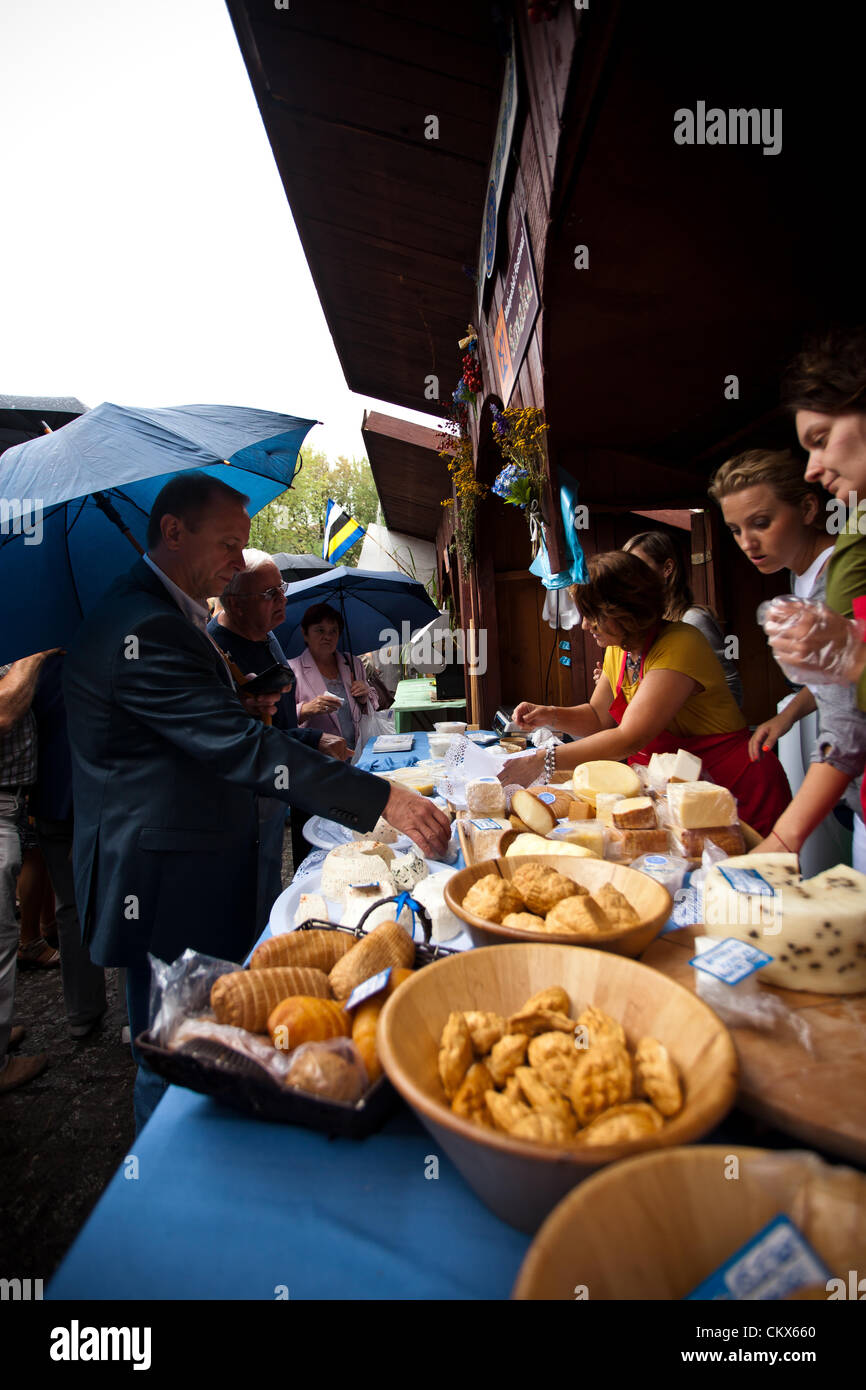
(341, 533)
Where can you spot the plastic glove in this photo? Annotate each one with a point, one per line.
(813, 644)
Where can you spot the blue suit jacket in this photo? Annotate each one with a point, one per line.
(166, 766)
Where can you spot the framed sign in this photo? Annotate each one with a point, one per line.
(517, 314)
(498, 168)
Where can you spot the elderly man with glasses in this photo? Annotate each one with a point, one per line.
(254, 603)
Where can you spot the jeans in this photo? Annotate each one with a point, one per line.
(149, 1088)
(10, 864)
(83, 982)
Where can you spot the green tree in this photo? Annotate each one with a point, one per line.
(295, 521)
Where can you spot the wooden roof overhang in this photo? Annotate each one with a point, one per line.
(390, 220)
(411, 479)
(705, 262)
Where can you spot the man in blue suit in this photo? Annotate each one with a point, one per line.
(167, 762)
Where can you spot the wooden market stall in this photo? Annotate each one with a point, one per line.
(650, 286)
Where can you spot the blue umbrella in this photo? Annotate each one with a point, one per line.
(67, 499)
(368, 601)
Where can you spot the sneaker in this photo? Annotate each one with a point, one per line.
(19, 1070)
(16, 1036)
(83, 1030)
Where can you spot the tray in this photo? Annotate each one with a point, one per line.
(239, 1082)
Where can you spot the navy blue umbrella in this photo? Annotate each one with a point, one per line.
(74, 503)
(372, 604)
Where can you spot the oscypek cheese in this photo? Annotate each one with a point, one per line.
(815, 929)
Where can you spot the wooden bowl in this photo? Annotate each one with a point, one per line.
(657, 1226)
(519, 1180)
(650, 899)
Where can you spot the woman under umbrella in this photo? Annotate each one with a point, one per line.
(331, 692)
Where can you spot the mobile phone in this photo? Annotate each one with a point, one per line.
(269, 682)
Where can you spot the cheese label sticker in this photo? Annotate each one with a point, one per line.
(771, 1265)
(547, 797)
(368, 988)
(688, 909)
(486, 824)
(731, 960)
(747, 881)
(365, 883)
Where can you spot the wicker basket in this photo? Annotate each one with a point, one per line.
(238, 1081)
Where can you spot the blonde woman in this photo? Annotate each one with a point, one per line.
(778, 520)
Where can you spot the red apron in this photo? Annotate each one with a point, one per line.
(761, 788)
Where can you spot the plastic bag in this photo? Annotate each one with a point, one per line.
(831, 645)
(333, 1070)
(747, 1004)
(373, 723)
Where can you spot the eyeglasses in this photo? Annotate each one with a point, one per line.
(270, 594)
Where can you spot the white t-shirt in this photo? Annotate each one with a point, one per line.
(804, 584)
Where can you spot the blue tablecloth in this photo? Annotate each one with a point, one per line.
(227, 1207)
(220, 1206)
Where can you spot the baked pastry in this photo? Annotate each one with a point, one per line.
(455, 1054)
(656, 1077)
(492, 898)
(602, 1078)
(544, 1126)
(600, 1027)
(469, 1102)
(388, 944)
(303, 1019)
(544, 1097)
(577, 914)
(554, 997)
(622, 1123)
(524, 921)
(505, 1111)
(555, 1065)
(324, 1071)
(530, 1022)
(319, 949)
(244, 998)
(616, 907)
(506, 1056)
(542, 888)
(485, 1030)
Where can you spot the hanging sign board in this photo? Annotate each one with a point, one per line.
(517, 313)
(498, 167)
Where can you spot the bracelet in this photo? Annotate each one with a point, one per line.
(549, 763)
(781, 841)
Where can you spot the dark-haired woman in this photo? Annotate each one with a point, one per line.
(331, 693)
(658, 551)
(661, 689)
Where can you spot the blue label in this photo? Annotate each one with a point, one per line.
(547, 797)
(368, 988)
(688, 909)
(747, 881)
(771, 1265)
(731, 960)
(487, 824)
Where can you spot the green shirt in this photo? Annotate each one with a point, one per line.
(846, 579)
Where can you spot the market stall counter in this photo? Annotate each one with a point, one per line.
(210, 1204)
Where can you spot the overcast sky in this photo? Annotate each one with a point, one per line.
(149, 255)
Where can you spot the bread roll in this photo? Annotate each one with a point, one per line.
(244, 998)
(319, 949)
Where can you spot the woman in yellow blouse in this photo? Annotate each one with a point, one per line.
(662, 688)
